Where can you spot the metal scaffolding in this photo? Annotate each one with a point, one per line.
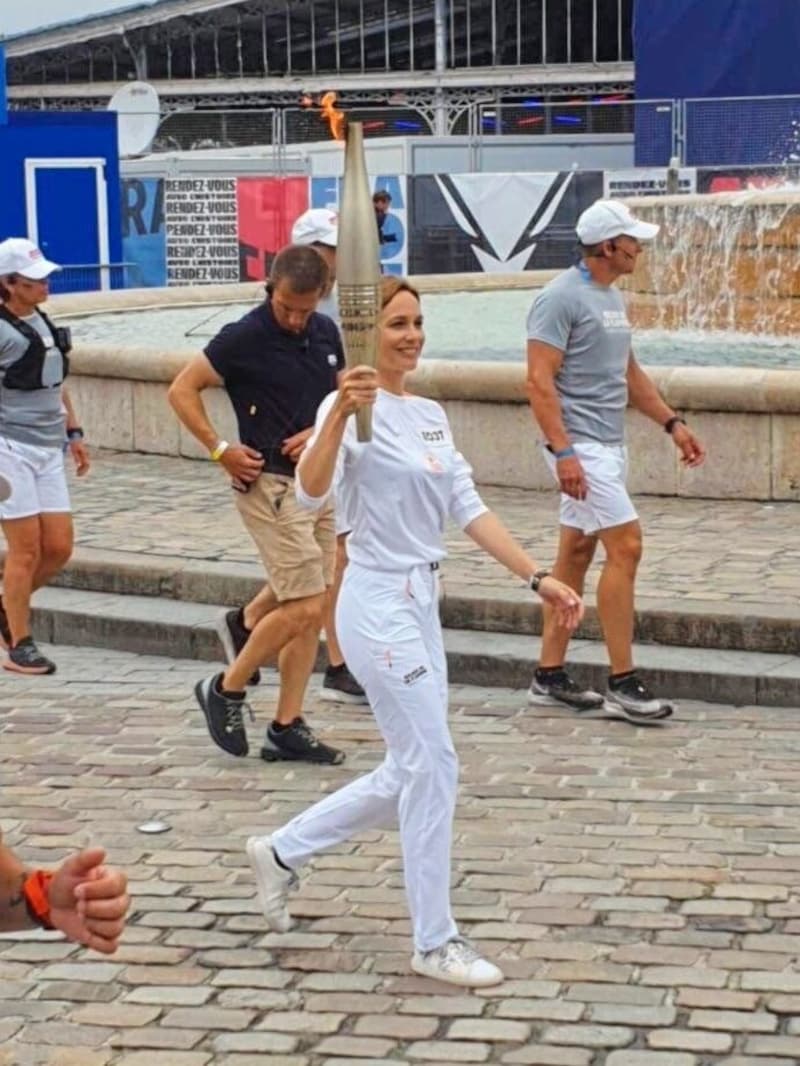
(195, 41)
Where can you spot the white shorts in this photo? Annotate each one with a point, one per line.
(38, 480)
(607, 502)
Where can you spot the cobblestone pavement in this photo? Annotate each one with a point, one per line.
(719, 550)
(640, 888)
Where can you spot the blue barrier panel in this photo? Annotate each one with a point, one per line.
(3, 95)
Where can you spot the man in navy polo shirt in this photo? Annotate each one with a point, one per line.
(277, 364)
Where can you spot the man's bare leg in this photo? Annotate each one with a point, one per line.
(295, 664)
(271, 634)
(262, 603)
(575, 553)
(615, 592)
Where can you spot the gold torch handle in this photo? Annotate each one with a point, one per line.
(358, 305)
(357, 267)
(364, 424)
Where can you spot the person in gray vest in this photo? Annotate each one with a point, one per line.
(581, 375)
(36, 419)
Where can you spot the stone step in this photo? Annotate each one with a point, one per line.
(186, 630)
(504, 608)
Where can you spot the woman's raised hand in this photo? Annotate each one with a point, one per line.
(565, 601)
(357, 387)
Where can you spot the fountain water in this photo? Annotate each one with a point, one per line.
(729, 261)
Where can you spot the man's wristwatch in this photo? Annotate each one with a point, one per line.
(536, 579)
(74, 433)
(672, 422)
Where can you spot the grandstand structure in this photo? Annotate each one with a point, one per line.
(423, 63)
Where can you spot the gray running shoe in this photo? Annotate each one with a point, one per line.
(458, 963)
(632, 700)
(560, 688)
(25, 658)
(298, 743)
(224, 716)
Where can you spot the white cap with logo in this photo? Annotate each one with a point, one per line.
(18, 255)
(606, 219)
(316, 226)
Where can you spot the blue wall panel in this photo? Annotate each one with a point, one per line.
(60, 135)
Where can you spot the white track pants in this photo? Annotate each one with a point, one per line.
(389, 629)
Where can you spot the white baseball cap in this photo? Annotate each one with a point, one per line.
(316, 226)
(606, 219)
(18, 255)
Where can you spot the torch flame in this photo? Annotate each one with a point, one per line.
(335, 118)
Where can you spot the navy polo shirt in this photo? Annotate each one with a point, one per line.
(276, 379)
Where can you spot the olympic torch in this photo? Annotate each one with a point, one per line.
(358, 274)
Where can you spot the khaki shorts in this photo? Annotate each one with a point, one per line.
(297, 547)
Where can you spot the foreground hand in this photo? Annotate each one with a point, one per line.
(566, 603)
(571, 477)
(80, 455)
(692, 451)
(88, 901)
(242, 462)
(293, 446)
(357, 387)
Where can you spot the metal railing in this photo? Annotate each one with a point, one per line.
(655, 120)
(89, 277)
(740, 131)
(729, 131)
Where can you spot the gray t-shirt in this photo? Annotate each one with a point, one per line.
(34, 416)
(589, 324)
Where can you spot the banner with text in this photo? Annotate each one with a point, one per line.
(645, 181)
(202, 240)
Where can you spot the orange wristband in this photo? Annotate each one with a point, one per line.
(36, 892)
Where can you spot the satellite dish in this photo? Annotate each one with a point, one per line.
(138, 116)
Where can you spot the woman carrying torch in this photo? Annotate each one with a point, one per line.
(401, 487)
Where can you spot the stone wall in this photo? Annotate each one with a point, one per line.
(749, 420)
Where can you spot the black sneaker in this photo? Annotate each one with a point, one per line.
(5, 628)
(233, 636)
(25, 658)
(223, 716)
(558, 687)
(297, 743)
(632, 700)
(339, 686)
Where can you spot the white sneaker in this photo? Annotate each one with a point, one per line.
(458, 963)
(273, 883)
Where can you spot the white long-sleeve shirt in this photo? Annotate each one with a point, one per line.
(401, 486)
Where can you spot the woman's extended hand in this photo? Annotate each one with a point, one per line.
(357, 388)
(566, 603)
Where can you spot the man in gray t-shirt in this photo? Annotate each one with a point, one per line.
(581, 375)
